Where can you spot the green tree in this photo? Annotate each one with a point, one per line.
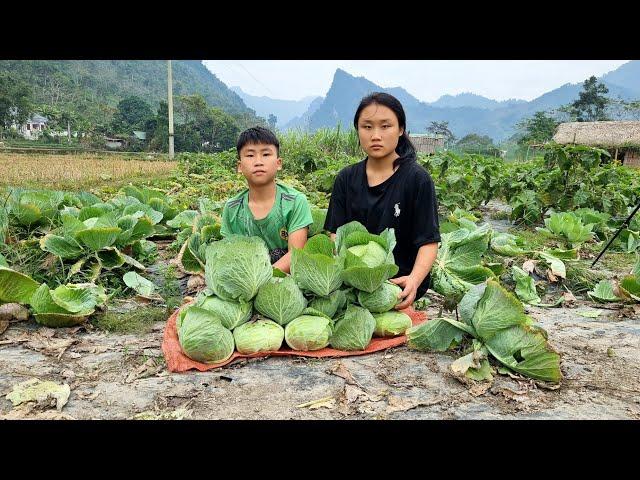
(272, 121)
(537, 129)
(15, 101)
(132, 113)
(592, 103)
(474, 143)
(442, 128)
(158, 129)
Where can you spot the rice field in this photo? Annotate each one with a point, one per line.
(76, 172)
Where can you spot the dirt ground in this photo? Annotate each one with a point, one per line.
(124, 376)
(114, 376)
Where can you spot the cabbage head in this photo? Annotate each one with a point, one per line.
(354, 330)
(230, 312)
(308, 332)
(314, 267)
(258, 336)
(391, 324)
(381, 300)
(280, 299)
(237, 266)
(368, 258)
(202, 336)
(329, 305)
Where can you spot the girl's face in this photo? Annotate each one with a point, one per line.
(379, 131)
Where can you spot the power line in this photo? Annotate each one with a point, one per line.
(273, 95)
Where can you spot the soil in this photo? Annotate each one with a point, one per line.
(113, 376)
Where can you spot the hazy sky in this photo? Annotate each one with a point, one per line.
(427, 80)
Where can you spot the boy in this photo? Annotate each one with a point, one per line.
(278, 214)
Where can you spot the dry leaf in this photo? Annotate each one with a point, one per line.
(399, 404)
(552, 278)
(529, 266)
(352, 393)
(45, 394)
(480, 388)
(343, 372)
(328, 402)
(147, 369)
(13, 312)
(195, 282)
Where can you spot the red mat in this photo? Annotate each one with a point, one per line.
(177, 361)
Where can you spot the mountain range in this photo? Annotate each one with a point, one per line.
(466, 112)
(284, 110)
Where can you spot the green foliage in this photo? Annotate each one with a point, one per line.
(537, 129)
(592, 102)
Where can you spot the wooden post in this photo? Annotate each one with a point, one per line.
(616, 156)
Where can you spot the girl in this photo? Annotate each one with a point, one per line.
(389, 189)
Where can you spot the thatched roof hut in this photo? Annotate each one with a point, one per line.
(426, 143)
(624, 137)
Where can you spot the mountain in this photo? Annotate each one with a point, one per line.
(466, 113)
(284, 110)
(468, 99)
(93, 88)
(626, 76)
(302, 122)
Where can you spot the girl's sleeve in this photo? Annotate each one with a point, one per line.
(337, 212)
(426, 228)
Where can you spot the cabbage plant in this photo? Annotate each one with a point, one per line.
(308, 332)
(354, 330)
(280, 299)
(381, 300)
(237, 266)
(258, 336)
(391, 324)
(202, 336)
(315, 268)
(231, 313)
(496, 319)
(368, 258)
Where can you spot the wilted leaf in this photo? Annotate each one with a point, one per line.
(44, 393)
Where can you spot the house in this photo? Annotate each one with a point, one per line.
(32, 128)
(115, 142)
(621, 139)
(426, 142)
(140, 135)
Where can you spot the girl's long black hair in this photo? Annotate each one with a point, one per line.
(405, 148)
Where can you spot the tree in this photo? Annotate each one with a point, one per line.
(158, 129)
(442, 128)
(272, 121)
(132, 113)
(474, 143)
(15, 101)
(537, 129)
(225, 129)
(592, 103)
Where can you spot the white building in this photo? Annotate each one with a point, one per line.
(32, 128)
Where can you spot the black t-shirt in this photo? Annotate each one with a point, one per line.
(406, 202)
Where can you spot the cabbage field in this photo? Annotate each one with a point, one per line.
(520, 324)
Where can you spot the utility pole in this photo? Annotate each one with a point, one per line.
(170, 95)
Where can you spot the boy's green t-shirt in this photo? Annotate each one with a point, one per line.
(290, 212)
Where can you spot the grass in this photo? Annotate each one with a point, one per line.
(139, 320)
(76, 172)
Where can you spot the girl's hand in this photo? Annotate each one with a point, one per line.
(410, 288)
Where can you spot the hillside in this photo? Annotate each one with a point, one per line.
(93, 88)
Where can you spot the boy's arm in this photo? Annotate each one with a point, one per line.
(297, 239)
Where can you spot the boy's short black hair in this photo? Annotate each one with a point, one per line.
(256, 135)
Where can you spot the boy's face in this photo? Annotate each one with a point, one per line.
(259, 163)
